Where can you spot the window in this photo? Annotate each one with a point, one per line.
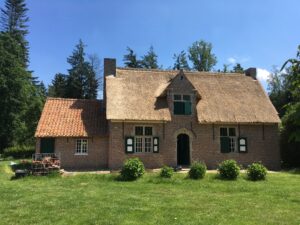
(227, 139)
(81, 147)
(143, 141)
(243, 145)
(182, 105)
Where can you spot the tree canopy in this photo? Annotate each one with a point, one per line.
(181, 61)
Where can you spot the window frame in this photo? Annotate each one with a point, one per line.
(181, 99)
(142, 148)
(81, 152)
(233, 145)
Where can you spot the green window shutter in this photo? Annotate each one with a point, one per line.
(243, 146)
(129, 145)
(225, 142)
(187, 108)
(179, 108)
(155, 144)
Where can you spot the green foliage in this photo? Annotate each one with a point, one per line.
(132, 169)
(58, 86)
(200, 53)
(197, 170)
(229, 169)
(19, 151)
(238, 68)
(149, 60)
(256, 171)
(130, 59)
(14, 22)
(166, 172)
(180, 61)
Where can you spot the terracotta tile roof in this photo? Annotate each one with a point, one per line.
(71, 118)
(135, 94)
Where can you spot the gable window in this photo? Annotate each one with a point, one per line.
(81, 147)
(182, 104)
(228, 139)
(142, 141)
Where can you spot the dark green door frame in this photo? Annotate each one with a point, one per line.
(183, 149)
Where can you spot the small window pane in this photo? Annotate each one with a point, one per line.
(242, 148)
(148, 131)
(138, 130)
(177, 97)
(155, 141)
(242, 142)
(129, 149)
(148, 144)
(155, 148)
(232, 132)
(139, 144)
(223, 132)
(187, 97)
(179, 108)
(129, 141)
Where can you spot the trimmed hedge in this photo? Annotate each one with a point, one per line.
(166, 172)
(197, 170)
(256, 171)
(19, 152)
(229, 169)
(132, 169)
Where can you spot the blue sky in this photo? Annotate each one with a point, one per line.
(256, 33)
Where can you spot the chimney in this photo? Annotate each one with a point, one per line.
(251, 72)
(109, 69)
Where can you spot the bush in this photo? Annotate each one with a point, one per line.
(256, 171)
(229, 169)
(166, 172)
(197, 170)
(132, 169)
(19, 151)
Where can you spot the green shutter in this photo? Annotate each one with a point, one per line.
(225, 144)
(47, 145)
(179, 108)
(129, 145)
(187, 108)
(155, 144)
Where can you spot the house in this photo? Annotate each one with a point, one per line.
(164, 118)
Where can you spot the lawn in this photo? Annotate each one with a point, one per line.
(100, 199)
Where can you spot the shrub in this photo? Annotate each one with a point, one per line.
(19, 151)
(256, 171)
(229, 169)
(197, 170)
(132, 169)
(166, 172)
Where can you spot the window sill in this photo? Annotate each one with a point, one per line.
(81, 154)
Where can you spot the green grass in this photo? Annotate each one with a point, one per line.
(100, 199)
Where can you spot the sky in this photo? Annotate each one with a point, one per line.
(256, 33)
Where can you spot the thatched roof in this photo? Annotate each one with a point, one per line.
(71, 118)
(136, 94)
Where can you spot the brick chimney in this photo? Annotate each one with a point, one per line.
(251, 72)
(109, 69)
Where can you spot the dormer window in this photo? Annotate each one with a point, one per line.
(182, 104)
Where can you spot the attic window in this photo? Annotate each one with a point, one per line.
(182, 105)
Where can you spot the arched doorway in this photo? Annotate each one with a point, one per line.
(183, 149)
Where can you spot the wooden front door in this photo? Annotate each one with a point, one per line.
(183, 149)
(47, 145)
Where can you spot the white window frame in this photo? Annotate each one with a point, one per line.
(143, 148)
(233, 139)
(81, 150)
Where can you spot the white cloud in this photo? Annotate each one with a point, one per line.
(262, 74)
(231, 60)
(237, 59)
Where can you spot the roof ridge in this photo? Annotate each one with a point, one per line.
(72, 99)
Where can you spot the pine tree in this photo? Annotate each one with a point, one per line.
(180, 61)
(82, 82)
(149, 60)
(130, 59)
(58, 86)
(14, 21)
(200, 53)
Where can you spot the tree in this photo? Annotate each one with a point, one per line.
(130, 59)
(149, 60)
(81, 81)
(238, 68)
(200, 53)
(225, 68)
(14, 21)
(180, 61)
(58, 86)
